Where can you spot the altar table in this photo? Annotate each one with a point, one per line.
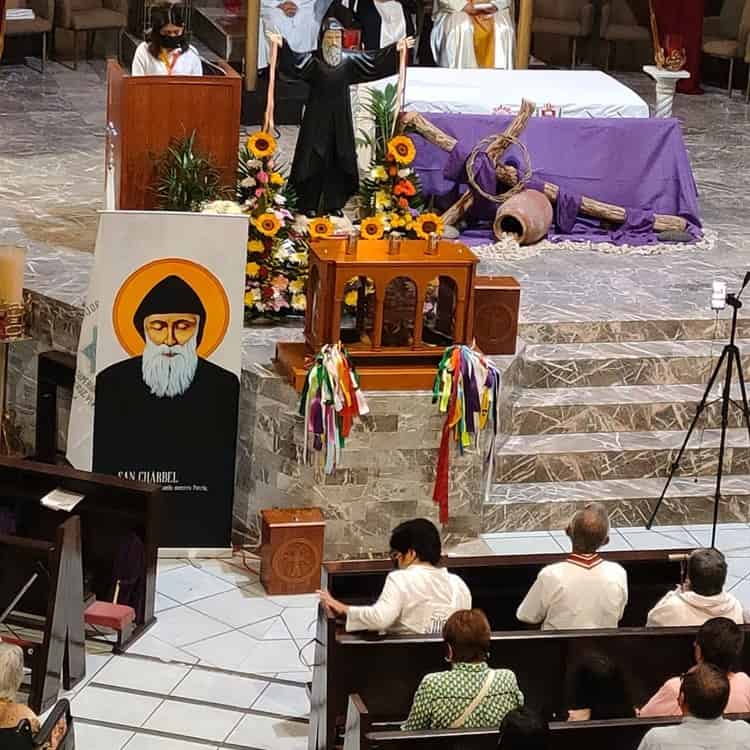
(641, 165)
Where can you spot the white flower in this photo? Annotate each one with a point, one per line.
(279, 199)
(254, 164)
(222, 207)
(404, 172)
(248, 182)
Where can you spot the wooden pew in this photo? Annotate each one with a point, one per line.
(53, 605)
(364, 732)
(111, 509)
(498, 583)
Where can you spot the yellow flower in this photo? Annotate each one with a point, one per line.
(395, 220)
(296, 286)
(277, 178)
(261, 144)
(299, 302)
(401, 149)
(320, 228)
(379, 173)
(255, 246)
(267, 224)
(382, 199)
(299, 258)
(251, 269)
(428, 224)
(371, 228)
(252, 297)
(350, 298)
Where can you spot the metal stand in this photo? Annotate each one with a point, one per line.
(731, 356)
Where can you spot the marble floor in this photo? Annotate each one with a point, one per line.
(226, 666)
(51, 185)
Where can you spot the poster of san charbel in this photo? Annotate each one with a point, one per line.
(159, 360)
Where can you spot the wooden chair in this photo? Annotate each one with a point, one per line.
(726, 35)
(88, 17)
(41, 24)
(570, 18)
(619, 24)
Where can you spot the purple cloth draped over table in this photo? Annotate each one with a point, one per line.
(639, 164)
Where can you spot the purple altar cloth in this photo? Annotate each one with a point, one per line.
(639, 164)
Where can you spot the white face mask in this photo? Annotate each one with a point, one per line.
(331, 47)
(169, 376)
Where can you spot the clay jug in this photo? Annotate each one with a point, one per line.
(527, 214)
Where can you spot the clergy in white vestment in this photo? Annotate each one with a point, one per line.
(701, 597)
(584, 591)
(383, 22)
(297, 21)
(419, 597)
(473, 34)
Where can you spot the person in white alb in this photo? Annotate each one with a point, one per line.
(473, 33)
(418, 597)
(167, 52)
(297, 21)
(703, 698)
(583, 591)
(701, 597)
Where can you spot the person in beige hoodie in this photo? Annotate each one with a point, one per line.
(701, 597)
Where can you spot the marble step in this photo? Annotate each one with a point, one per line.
(591, 331)
(617, 455)
(632, 363)
(635, 408)
(533, 506)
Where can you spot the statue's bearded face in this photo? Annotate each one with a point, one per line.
(331, 46)
(170, 358)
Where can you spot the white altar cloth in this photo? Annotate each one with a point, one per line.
(480, 91)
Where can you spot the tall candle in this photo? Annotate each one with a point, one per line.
(12, 266)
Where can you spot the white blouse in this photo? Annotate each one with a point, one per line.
(186, 63)
(418, 599)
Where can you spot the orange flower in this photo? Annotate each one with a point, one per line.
(401, 149)
(392, 170)
(320, 228)
(405, 187)
(403, 203)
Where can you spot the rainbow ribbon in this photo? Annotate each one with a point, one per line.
(330, 402)
(466, 389)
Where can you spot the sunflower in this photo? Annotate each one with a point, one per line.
(401, 149)
(371, 228)
(428, 224)
(267, 224)
(261, 144)
(320, 228)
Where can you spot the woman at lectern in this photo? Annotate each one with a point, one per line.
(167, 52)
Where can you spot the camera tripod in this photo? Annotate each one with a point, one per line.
(730, 356)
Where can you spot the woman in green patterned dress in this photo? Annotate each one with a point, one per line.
(469, 694)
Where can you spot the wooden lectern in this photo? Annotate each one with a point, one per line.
(145, 113)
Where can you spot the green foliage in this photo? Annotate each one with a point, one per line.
(186, 179)
(381, 106)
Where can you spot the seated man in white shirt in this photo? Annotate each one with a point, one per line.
(418, 597)
(703, 698)
(473, 34)
(583, 591)
(701, 597)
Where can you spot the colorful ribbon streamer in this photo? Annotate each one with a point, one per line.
(330, 401)
(466, 389)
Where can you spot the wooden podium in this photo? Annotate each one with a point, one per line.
(144, 113)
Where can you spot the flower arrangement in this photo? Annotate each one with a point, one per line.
(276, 270)
(391, 194)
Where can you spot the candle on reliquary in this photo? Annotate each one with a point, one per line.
(12, 267)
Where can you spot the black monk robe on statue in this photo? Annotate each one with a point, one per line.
(324, 170)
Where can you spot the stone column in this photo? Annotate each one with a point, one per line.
(666, 85)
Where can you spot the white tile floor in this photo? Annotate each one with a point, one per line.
(172, 691)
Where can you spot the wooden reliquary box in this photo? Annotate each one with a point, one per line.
(386, 301)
